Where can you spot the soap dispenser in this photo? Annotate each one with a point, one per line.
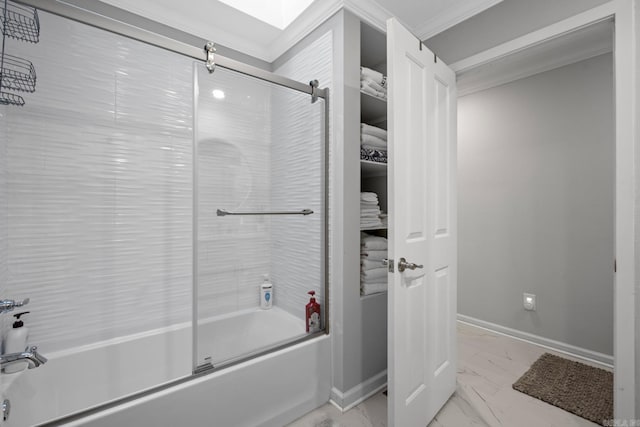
(16, 342)
(266, 294)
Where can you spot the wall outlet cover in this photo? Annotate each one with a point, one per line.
(529, 302)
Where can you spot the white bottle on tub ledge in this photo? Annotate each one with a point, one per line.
(266, 294)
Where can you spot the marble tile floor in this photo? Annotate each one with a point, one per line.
(488, 364)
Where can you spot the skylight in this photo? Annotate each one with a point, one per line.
(279, 13)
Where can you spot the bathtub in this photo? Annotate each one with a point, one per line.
(269, 390)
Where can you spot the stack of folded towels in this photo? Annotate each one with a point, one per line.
(373, 83)
(373, 275)
(373, 143)
(369, 210)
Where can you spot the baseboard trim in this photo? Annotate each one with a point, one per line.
(571, 350)
(358, 394)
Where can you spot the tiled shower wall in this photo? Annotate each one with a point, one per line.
(98, 171)
(296, 164)
(234, 140)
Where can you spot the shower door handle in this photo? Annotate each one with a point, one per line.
(224, 212)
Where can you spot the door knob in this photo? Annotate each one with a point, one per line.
(403, 265)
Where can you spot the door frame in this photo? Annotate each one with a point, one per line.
(626, 141)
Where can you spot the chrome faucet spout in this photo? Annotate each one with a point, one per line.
(29, 355)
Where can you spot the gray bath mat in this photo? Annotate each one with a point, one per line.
(575, 387)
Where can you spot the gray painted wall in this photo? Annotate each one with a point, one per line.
(536, 198)
(501, 23)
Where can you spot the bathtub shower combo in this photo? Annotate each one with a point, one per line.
(149, 188)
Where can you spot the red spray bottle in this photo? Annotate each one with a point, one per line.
(312, 314)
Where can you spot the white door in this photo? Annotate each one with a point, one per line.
(422, 210)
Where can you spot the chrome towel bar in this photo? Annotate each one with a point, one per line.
(224, 212)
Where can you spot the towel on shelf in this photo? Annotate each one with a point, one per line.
(366, 129)
(366, 196)
(370, 225)
(373, 85)
(368, 73)
(370, 264)
(374, 242)
(374, 255)
(373, 155)
(371, 91)
(373, 141)
(372, 288)
(375, 212)
(376, 273)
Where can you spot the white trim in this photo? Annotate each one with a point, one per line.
(358, 394)
(312, 18)
(534, 38)
(626, 92)
(453, 16)
(370, 12)
(533, 69)
(558, 346)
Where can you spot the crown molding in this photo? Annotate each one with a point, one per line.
(453, 16)
(309, 20)
(370, 12)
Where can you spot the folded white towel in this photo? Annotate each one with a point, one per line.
(367, 275)
(371, 91)
(368, 197)
(373, 85)
(372, 288)
(370, 225)
(370, 211)
(367, 264)
(373, 255)
(373, 130)
(373, 141)
(374, 242)
(369, 204)
(368, 73)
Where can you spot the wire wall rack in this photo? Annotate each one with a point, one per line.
(17, 74)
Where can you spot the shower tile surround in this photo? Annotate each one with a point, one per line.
(98, 171)
(96, 213)
(296, 269)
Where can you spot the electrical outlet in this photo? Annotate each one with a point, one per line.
(529, 302)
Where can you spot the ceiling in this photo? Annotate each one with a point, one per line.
(216, 21)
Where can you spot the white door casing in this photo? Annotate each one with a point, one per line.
(422, 212)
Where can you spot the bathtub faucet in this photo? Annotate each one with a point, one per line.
(29, 355)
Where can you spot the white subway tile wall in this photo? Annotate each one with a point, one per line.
(296, 174)
(98, 170)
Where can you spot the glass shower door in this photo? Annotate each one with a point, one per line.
(259, 203)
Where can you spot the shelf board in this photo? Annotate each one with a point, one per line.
(373, 228)
(372, 108)
(371, 296)
(369, 168)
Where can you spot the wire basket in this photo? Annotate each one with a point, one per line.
(17, 74)
(11, 99)
(20, 22)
